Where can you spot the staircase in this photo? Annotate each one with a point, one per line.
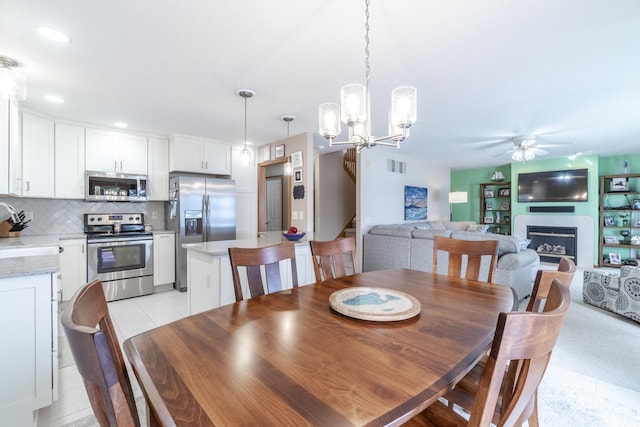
(349, 166)
(349, 163)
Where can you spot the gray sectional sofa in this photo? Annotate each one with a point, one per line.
(410, 245)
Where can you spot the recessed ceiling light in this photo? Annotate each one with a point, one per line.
(55, 35)
(120, 125)
(54, 99)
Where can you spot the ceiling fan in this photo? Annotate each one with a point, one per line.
(525, 148)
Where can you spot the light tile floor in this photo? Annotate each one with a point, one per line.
(136, 315)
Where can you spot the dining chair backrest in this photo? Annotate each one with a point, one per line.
(523, 338)
(329, 258)
(565, 272)
(257, 259)
(94, 345)
(473, 251)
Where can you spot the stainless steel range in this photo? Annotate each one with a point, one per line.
(120, 254)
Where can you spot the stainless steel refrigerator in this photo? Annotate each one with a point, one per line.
(203, 209)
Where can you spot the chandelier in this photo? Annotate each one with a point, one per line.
(355, 111)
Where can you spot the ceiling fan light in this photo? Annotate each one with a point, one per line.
(517, 156)
(529, 154)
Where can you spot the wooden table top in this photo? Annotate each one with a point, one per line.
(289, 359)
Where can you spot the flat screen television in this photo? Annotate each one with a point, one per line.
(553, 186)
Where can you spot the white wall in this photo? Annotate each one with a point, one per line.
(336, 196)
(380, 192)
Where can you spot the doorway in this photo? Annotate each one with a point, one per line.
(272, 171)
(273, 195)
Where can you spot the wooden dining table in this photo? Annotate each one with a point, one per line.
(289, 359)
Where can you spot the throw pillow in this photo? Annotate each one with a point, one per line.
(478, 228)
(524, 244)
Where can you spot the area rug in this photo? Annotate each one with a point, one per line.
(566, 405)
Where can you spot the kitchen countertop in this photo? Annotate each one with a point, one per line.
(221, 247)
(29, 255)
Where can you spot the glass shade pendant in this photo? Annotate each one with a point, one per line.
(12, 83)
(245, 154)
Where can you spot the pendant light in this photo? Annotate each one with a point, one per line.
(355, 111)
(12, 84)
(288, 167)
(245, 154)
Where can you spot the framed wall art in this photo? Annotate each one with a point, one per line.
(415, 203)
(279, 151)
(296, 159)
(297, 175)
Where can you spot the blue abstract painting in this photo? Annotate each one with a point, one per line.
(415, 203)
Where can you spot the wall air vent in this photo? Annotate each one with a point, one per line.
(396, 166)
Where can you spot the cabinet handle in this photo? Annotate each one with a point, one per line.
(27, 185)
(206, 165)
(120, 165)
(115, 165)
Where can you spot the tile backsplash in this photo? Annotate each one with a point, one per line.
(57, 216)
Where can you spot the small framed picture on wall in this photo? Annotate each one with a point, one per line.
(296, 159)
(279, 151)
(297, 176)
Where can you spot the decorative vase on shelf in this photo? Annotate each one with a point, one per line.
(497, 176)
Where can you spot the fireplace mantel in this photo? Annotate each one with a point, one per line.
(584, 224)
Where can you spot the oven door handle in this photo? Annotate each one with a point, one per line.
(205, 217)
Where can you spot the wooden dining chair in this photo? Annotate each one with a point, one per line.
(94, 345)
(473, 251)
(464, 393)
(522, 339)
(257, 259)
(329, 258)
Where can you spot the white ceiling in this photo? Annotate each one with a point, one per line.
(567, 71)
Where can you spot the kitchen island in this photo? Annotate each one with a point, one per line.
(209, 281)
(29, 269)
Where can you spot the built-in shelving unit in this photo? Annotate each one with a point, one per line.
(495, 206)
(619, 220)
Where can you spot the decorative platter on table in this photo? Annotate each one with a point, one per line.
(377, 304)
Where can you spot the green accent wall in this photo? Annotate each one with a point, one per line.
(469, 180)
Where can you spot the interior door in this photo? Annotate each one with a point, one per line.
(274, 203)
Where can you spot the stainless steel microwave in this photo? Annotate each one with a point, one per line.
(115, 187)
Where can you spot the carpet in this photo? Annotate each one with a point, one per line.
(562, 404)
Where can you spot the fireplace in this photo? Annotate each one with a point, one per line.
(553, 243)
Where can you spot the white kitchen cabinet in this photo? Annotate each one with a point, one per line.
(69, 161)
(73, 266)
(110, 151)
(200, 155)
(26, 368)
(164, 258)
(37, 156)
(10, 148)
(158, 162)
